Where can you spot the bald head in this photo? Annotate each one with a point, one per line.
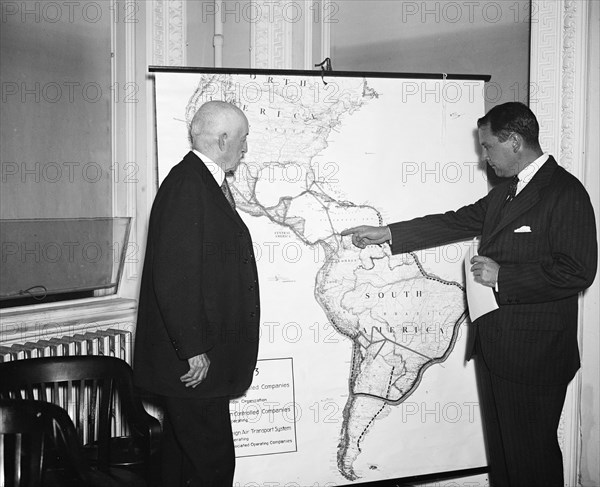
(219, 130)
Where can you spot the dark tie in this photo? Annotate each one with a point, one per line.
(227, 193)
(512, 189)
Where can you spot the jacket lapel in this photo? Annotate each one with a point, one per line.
(214, 191)
(527, 198)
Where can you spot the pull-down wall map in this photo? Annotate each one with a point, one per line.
(361, 372)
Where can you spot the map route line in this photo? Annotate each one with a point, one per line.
(433, 277)
(319, 196)
(380, 348)
(366, 428)
(373, 339)
(364, 432)
(418, 378)
(387, 340)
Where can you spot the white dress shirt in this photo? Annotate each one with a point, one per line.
(528, 172)
(213, 167)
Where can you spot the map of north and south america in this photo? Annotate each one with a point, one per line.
(398, 317)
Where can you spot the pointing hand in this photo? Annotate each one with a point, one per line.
(366, 235)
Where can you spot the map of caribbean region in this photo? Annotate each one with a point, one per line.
(361, 372)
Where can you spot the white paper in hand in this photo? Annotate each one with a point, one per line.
(480, 298)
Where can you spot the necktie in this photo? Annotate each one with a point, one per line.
(227, 193)
(512, 189)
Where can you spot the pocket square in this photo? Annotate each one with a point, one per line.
(523, 229)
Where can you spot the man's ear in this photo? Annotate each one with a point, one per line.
(222, 141)
(516, 141)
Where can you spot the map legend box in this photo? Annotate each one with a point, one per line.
(264, 419)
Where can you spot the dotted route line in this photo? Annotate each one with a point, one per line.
(372, 420)
(433, 277)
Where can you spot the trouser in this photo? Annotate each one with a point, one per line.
(197, 446)
(521, 422)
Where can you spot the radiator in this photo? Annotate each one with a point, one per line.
(111, 342)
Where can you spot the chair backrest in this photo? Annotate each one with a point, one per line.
(53, 452)
(85, 386)
(21, 445)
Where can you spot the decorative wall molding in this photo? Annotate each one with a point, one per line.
(567, 94)
(558, 91)
(574, 93)
(545, 76)
(557, 77)
(168, 33)
(270, 35)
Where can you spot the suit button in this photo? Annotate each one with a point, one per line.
(246, 261)
(252, 314)
(250, 288)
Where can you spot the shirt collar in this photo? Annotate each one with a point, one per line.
(528, 172)
(213, 167)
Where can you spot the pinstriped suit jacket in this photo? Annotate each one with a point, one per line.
(532, 337)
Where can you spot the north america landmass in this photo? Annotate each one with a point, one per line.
(399, 317)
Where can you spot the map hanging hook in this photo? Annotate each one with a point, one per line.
(325, 66)
(34, 296)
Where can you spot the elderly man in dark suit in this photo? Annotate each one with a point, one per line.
(198, 320)
(538, 251)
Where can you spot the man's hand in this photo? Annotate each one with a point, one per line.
(365, 235)
(198, 369)
(485, 270)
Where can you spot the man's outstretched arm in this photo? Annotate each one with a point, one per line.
(364, 235)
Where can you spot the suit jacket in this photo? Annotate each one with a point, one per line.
(532, 337)
(199, 290)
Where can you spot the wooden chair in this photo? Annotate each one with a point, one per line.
(52, 455)
(21, 446)
(112, 425)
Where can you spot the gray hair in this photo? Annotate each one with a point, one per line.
(212, 119)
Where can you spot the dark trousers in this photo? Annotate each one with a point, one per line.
(521, 424)
(197, 446)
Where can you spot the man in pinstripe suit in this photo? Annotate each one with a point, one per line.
(538, 251)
